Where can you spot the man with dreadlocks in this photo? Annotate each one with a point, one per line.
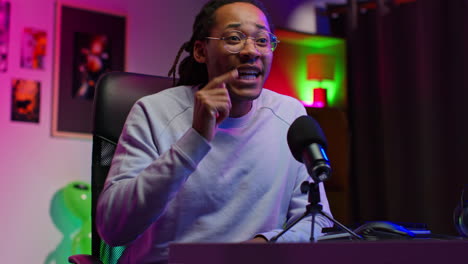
(208, 160)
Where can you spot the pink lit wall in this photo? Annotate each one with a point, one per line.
(35, 165)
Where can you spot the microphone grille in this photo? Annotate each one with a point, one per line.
(304, 131)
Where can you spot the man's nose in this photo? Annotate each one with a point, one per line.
(250, 48)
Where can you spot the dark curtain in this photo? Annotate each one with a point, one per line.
(408, 110)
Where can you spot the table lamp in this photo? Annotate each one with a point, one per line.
(320, 67)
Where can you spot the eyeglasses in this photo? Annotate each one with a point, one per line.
(234, 41)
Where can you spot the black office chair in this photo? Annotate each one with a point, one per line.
(115, 94)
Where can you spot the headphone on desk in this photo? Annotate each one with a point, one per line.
(460, 215)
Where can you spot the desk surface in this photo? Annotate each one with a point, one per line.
(388, 252)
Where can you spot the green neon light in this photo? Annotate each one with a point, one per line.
(314, 41)
(299, 45)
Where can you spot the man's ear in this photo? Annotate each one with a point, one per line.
(199, 51)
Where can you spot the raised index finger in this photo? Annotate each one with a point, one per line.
(218, 81)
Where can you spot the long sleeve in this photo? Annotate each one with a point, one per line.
(141, 180)
(168, 184)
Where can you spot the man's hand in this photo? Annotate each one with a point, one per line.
(212, 105)
(257, 239)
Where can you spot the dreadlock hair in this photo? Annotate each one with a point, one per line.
(192, 72)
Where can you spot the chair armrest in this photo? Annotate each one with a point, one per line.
(84, 259)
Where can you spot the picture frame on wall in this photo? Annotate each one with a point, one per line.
(25, 100)
(4, 34)
(88, 43)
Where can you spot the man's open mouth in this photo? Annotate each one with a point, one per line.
(248, 73)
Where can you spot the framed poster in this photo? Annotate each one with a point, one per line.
(4, 34)
(89, 43)
(25, 100)
(33, 49)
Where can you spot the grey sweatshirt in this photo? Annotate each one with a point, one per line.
(168, 184)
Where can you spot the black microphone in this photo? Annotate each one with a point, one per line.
(308, 144)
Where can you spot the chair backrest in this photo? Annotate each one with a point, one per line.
(115, 95)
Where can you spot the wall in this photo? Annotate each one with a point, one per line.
(297, 15)
(35, 165)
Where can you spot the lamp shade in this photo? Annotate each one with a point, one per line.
(320, 67)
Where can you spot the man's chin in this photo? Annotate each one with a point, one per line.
(245, 94)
